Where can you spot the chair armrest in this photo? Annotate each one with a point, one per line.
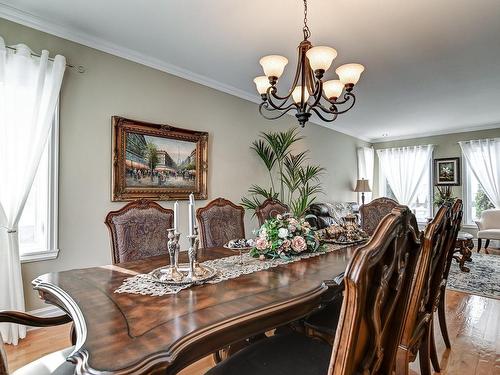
(17, 317)
(479, 225)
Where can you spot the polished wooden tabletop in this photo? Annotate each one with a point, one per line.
(131, 333)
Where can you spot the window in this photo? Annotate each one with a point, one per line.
(422, 202)
(38, 223)
(475, 200)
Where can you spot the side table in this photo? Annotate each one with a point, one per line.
(463, 250)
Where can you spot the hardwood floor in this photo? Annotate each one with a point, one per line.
(473, 325)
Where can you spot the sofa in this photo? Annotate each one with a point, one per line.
(322, 215)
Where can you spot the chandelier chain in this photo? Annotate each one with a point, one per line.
(307, 32)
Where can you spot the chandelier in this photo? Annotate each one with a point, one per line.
(308, 92)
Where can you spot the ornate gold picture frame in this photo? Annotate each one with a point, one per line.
(157, 162)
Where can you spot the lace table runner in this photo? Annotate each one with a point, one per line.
(227, 268)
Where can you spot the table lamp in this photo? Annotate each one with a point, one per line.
(362, 187)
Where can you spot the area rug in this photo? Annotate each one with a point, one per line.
(483, 278)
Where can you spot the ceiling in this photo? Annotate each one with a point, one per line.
(432, 67)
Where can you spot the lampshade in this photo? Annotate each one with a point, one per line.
(362, 186)
(273, 65)
(333, 89)
(296, 94)
(349, 73)
(321, 57)
(262, 84)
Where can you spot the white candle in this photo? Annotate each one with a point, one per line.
(176, 216)
(190, 211)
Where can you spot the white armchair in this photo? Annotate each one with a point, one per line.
(489, 227)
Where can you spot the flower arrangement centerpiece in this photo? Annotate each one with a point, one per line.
(283, 237)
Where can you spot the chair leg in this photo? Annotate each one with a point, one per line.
(442, 320)
(479, 245)
(424, 355)
(486, 245)
(433, 351)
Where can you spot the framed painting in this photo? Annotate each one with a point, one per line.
(158, 162)
(447, 171)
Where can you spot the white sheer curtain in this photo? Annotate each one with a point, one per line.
(366, 157)
(483, 158)
(29, 90)
(403, 167)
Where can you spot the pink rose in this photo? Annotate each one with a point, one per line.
(299, 244)
(293, 221)
(292, 228)
(286, 244)
(261, 243)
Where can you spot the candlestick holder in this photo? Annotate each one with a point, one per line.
(173, 247)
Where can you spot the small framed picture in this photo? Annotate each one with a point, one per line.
(447, 171)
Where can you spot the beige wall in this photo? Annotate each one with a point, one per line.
(114, 86)
(446, 146)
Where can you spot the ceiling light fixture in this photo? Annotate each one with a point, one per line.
(308, 92)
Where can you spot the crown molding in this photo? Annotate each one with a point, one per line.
(24, 18)
(437, 132)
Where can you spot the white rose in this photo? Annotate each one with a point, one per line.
(283, 233)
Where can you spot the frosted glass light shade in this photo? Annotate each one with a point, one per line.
(333, 88)
(273, 65)
(321, 57)
(296, 94)
(262, 84)
(350, 73)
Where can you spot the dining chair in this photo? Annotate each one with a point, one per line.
(373, 212)
(488, 228)
(456, 221)
(50, 364)
(139, 230)
(269, 209)
(378, 284)
(418, 332)
(219, 222)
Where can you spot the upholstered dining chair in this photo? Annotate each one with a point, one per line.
(373, 212)
(51, 364)
(269, 209)
(139, 230)
(489, 227)
(378, 283)
(219, 222)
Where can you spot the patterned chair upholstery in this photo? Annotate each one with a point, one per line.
(139, 230)
(372, 213)
(270, 208)
(220, 221)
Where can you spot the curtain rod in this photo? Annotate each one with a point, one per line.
(79, 68)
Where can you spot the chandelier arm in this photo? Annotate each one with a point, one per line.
(276, 106)
(323, 117)
(282, 112)
(336, 111)
(316, 95)
(295, 80)
(347, 97)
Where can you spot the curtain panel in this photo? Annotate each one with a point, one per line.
(403, 167)
(366, 160)
(29, 90)
(483, 158)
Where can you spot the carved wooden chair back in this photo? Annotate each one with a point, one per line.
(219, 222)
(426, 289)
(139, 230)
(377, 288)
(456, 222)
(16, 317)
(269, 209)
(373, 212)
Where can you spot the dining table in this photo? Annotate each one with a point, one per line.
(126, 333)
